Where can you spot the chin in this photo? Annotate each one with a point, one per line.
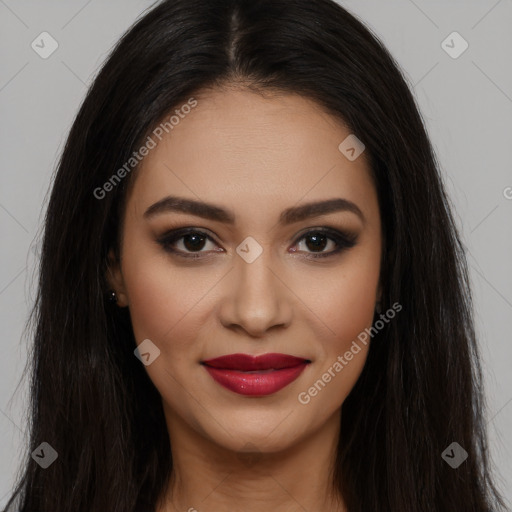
(262, 431)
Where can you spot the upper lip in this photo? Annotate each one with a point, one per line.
(246, 362)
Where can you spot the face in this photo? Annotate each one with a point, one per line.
(241, 262)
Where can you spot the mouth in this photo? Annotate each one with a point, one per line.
(255, 375)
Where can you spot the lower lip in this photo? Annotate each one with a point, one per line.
(255, 384)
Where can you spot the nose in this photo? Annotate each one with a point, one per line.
(256, 298)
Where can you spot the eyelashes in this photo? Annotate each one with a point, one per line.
(317, 238)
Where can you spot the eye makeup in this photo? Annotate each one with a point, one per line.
(196, 238)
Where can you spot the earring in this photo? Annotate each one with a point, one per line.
(111, 296)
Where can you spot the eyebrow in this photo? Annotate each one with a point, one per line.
(213, 212)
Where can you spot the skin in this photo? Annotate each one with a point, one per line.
(253, 156)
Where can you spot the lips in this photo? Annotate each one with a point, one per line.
(255, 375)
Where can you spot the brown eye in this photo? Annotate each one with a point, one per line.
(189, 243)
(193, 241)
(186, 241)
(318, 240)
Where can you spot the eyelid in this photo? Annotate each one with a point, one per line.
(173, 235)
(344, 239)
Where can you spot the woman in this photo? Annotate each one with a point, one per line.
(252, 292)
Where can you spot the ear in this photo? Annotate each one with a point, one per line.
(115, 279)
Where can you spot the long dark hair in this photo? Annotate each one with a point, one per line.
(420, 389)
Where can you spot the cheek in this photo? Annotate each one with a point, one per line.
(161, 298)
(345, 300)
(347, 310)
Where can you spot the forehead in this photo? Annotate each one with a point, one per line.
(253, 154)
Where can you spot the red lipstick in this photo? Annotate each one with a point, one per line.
(255, 375)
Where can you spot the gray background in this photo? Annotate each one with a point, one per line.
(466, 103)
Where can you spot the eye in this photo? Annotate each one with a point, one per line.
(190, 242)
(321, 238)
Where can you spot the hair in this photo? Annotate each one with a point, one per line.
(420, 388)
